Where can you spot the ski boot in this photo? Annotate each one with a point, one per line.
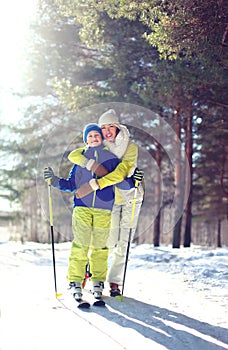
(76, 290)
(98, 289)
(114, 290)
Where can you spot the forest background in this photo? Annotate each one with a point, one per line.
(160, 64)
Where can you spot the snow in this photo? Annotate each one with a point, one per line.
(173, 299)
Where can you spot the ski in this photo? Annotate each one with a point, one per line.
(82, 304)
(99, 302)
(95, 301)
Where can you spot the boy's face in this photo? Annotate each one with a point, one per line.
(94, 138)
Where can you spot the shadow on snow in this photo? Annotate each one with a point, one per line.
(168, 328)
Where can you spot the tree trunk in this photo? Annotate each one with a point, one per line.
(157, 196)
(178, 183)
(188, 176)
(157, 230)
(219, 243)
(177, 234)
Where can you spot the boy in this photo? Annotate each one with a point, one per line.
(91, 217)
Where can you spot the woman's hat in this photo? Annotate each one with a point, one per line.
(109, 117)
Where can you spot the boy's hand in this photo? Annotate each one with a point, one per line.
(87, 188)
(48, 173)
(96, 168)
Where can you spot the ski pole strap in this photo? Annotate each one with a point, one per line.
(50, 202)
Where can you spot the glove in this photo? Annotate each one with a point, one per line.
(138, 175)
(48, 173)
(87, 188)
(96, 168)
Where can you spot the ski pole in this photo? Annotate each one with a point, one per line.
(52, 235)
(120, 297)
(88, 274)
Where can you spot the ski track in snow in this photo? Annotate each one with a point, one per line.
(173, 299)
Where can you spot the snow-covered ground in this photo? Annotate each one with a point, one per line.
(174, 299)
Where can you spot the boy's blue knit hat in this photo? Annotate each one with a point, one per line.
(91, 127)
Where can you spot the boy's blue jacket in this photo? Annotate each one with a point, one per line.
(103, 199)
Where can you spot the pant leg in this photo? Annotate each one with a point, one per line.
(116, 270)
(101, 221)
(77, 263)
(82, 222)
(115, 226)
(98, 250)
(98, 264)
(82, 230)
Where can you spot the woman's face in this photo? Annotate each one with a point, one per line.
(109, 132)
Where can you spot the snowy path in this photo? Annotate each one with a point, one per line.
(160, 310)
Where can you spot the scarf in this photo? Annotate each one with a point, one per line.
(119, 146)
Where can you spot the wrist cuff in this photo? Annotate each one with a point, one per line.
(55, 181)
(89, 164)
(93, 183)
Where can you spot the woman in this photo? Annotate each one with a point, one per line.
(116, 138)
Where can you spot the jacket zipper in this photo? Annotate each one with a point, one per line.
(94, 193)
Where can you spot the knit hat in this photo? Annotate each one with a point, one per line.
(91, 127)
(109, 117)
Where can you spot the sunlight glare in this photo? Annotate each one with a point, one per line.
(15, 17)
